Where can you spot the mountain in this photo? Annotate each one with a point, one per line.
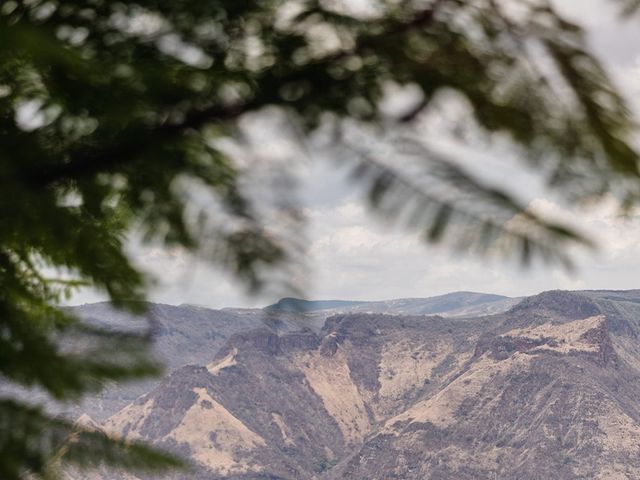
(189, 334)
(549, 392)
(183, 335)
(547, 389)
(454, 304)
(289, 406)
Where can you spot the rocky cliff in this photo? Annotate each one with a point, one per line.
(191, 334)
(548, 389)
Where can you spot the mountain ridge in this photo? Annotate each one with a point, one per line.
(187, 334)
(545, 389)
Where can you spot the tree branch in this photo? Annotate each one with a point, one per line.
(83, 163)
(87, 162)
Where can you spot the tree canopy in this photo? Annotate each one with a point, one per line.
(112, 112)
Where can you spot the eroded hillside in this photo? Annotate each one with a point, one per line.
(548, 389)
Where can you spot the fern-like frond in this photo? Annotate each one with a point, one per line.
(432, 194)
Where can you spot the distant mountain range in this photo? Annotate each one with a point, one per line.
(461, 386)
(190, 334)
(450, 304)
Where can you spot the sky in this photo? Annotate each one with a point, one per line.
(353, 255)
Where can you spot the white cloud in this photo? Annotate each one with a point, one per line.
(351, 255)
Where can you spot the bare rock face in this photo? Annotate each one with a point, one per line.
(190, 334)
(550, 399)
(548, 389)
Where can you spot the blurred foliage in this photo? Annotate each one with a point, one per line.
(111, 111)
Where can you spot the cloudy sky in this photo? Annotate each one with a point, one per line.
(352, 255)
